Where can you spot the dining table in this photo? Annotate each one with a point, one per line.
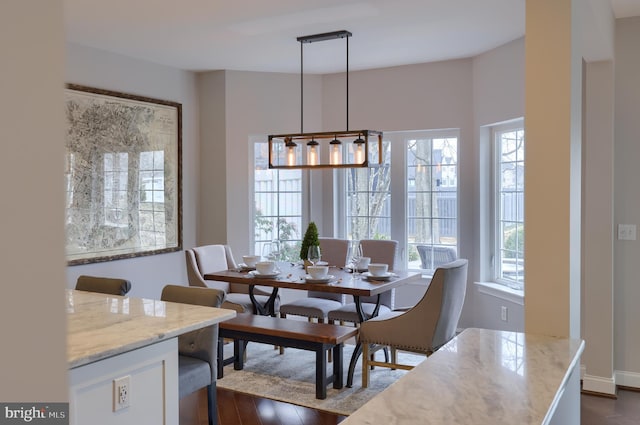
(293, 276)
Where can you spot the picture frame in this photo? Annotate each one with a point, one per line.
(123, 175)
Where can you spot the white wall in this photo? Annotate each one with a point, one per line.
(106, 70)
(33, 303)
(597, 228)
(627, 200)
(498, 96)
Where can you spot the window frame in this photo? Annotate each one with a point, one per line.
(496, 211)
(254, 141)
(399, 175)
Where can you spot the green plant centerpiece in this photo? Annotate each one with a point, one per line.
(310, 239)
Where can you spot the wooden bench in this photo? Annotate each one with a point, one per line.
(318, 337)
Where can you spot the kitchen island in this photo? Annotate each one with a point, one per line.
(485, 377)
(113, 340)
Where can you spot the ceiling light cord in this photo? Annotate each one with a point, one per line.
(347, 83)
(301, 90)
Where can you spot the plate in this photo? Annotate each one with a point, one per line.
(309, 279)
(384, 277)
(245, 268)
(257, 275)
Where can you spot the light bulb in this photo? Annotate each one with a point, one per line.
(335, 154)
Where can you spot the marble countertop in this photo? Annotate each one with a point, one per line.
(101, 326)
(480, 377)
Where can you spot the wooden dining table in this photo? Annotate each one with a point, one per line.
(293, 276)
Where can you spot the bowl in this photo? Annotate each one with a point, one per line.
(378, 269)
(251, 260)
(318, 272)
(266, 267)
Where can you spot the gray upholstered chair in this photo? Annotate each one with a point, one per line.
(197, 350)
(318, 304)
(424, 328)
(104, 285)
(380, 251)
(213, 258)
(433, 256)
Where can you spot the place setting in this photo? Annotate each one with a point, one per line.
(378, 272)
(318, 271)
(249, 263)
(265, 270)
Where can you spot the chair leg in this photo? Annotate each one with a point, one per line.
(365, 365)
(394, 357)
(212, 404)
(283, 316)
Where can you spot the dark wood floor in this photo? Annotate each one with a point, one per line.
(240, 409)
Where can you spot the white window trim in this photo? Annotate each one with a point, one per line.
(501, 291)
(494, 286)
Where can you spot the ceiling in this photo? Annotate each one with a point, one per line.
(259, 35)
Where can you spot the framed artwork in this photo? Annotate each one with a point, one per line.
(123, 175)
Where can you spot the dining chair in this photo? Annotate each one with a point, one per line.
(424, 328)
(432, 256)
(103, 285)
(380, 251)
(212, 258)
(197, 350)
(318, 304)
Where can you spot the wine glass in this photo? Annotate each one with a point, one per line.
(313, 255)
(355, 254)
(271, 250)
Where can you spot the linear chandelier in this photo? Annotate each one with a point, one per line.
(331, 149)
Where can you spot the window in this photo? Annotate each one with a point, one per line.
(432, 200)
(509, 205)
(368, 214)
(422, 165)
(277, 208)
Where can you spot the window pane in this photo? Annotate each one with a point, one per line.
(277, 208)
(368, 200)
(432, 207)
(510, 208)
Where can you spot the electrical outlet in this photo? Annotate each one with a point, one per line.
(503, 313)
(627, 232)
(121, 393)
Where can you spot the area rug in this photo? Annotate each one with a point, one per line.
(290, 377)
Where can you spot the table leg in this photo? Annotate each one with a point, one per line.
(357, 351)
(338, 379)
(269, 308)
(321, 373)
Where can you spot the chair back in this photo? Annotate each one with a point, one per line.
(433, 256)
(334, 251)
(103, 285)
(205, 259)
(201, 344)
(441, 305)
(380, 251)
(429, 324)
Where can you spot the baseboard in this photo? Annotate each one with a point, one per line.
(598, 384)
(627, 379)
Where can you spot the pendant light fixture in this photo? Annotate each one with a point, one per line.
(332, 149)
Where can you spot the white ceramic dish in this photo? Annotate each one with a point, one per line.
(326, 279)
(258, 275)
(245, 268)
(384, 277)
